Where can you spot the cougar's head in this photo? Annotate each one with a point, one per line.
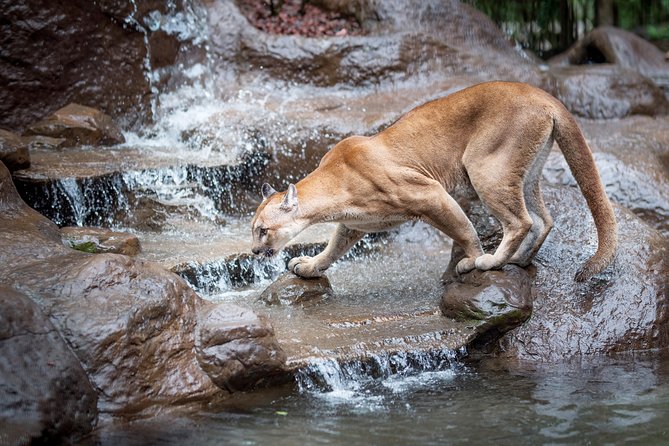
(275, 222)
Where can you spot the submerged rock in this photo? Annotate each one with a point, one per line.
(79, 125)
(289, 289)
(622, 309)
(13, 151)
(100, 240)
(45, 395)
(237, 348)
(502, 300)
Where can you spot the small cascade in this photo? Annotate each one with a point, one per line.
(225, 275)
(329, 375)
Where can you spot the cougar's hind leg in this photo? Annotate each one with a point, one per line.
(501, 190)
(437, 208)
(542, 223)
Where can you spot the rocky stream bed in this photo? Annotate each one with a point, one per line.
(165, 309)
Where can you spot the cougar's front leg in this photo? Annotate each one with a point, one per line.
(341, 241)
(440, 210)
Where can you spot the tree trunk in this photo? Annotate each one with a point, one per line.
(604, 13)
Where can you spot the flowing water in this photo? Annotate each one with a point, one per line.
(602, 401)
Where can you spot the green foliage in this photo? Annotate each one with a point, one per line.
(89, 247)
(550, 26)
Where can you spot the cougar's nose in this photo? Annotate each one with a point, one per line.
(255, 251)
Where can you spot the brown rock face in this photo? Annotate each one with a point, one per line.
(13, 151)
(45, 395)
(79, 125)
(92, 53)
(237, 348)
(100, 240)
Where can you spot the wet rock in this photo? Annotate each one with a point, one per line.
(237, 347)
(13, 151)
(289, 289)
(79, 125)
(622, 309)
(606, 91)
(611, 73)
(609, 45)
(631, 156)
(45, 396)
(407, 39)
(100, 240)
(44, 142)
(85, 52)
(502, 300)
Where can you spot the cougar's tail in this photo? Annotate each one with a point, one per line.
(582, 165)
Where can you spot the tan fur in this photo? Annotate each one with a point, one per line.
(493, 137)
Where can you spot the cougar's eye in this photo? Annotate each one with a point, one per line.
(262, 232)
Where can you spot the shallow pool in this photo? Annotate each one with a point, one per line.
(622, 400)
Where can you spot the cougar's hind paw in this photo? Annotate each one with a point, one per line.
(486, 262)
(465, 265)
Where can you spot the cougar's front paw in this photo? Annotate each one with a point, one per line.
(306, 267)
(465, 265)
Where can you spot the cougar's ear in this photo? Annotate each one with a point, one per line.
(290, 200)
(267, 191)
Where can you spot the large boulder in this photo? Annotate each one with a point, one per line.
(45, 395)
(131, 323)
(606, 91)
(611, 73)
(609, 45)
(238, 348)
(624, 308)
(79, 125)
